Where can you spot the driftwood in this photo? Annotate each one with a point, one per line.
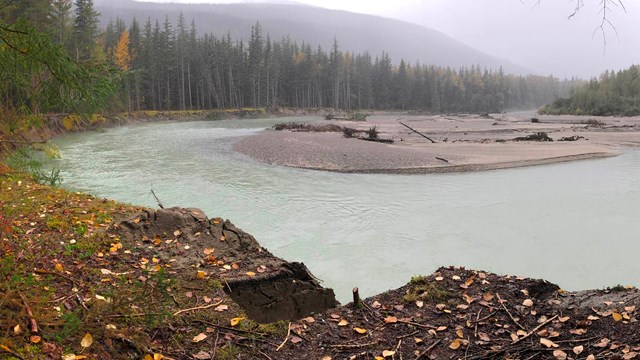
(386, 141)
(417, 132)
(442, 159)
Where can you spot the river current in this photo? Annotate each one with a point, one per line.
(576, 224)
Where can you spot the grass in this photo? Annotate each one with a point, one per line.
(60, 259)
(422, 289)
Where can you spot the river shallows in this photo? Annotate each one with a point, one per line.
(576, 224)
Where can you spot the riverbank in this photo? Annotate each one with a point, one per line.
(458, 143)
(104, 280)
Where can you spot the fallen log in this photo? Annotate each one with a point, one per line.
(417, 132)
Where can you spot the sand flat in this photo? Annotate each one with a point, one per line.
(466, 142)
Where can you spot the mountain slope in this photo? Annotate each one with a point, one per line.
(316, 26)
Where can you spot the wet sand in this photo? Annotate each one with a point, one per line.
(463, 143)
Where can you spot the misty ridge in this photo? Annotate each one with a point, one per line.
(356, 33)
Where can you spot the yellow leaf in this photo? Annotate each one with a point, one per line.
(251, 273)
(388, 353)
(87, 340)
(379, 358)
(236, 321)
(35, 339)
(343, 322)
(59, 267)
(148, 357)
(391, 319)
(136, 221)
(158, 357)
(201, 274)
(70, 357)
(616, 316)
(199, 337)
(455, 345)
(360, 330)
(17, 329)
(460, 333)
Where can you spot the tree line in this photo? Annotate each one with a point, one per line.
(158, 65)
(614, 93)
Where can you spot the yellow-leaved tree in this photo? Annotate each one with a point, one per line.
(121, 54)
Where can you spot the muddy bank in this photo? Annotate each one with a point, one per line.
(445, 143)
(267, 288)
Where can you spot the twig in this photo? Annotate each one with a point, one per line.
(229, 329)
(442, 159)
(534, 330)
(354, 346)
(424, 326)
(475, 330)
(74, 281)
(428, 350)
(407, 335)
(158, 200)
(133, 315)
(32, 319)
(508, 313)
(286, 338)
(215, 344)
(197, 308)
(11, 352)
(484, 318)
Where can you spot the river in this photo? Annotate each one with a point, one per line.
(575, 224)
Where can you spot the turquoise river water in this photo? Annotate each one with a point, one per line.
(576, 224)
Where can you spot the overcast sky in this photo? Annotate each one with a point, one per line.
(540, 37)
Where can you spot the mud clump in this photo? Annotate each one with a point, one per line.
(266, 287)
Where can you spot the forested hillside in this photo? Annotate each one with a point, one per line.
(57, 59)
(615, 93)
(356, 33)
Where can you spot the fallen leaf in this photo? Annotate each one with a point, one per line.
(578, 331)
(376, 305)
(528, 303)
(548, 343)
(59, 267)
(455, 345)
(578, 350)
(343, 322)
(460, 333)
(201, 274)
(35, 339)
(488, 296)
(199, 337)
(419, 303)
(202, 355)
(309, 319)
(87, 340)
(391, 319)
(206, 299)
(630, 309)
(236, 321)
(484, 336)
(388, 353)
(208, 251)
(441, 328)
(177, 233)
(456, 278)
(17, 329)
(616, 316)
(326, 357)
(250, 273)
(564, 319)
(221, 308)
(360, 330)
(560, 355)
(592, 318)
(418, 340)
(603, 343)
(295, 340)
(630, 355)
(158, 357)
(591, 357)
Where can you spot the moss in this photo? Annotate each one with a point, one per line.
(229, 352)
(427, 291)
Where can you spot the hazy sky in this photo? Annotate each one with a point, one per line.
(540, 37)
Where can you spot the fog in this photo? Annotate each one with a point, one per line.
(536, 34)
